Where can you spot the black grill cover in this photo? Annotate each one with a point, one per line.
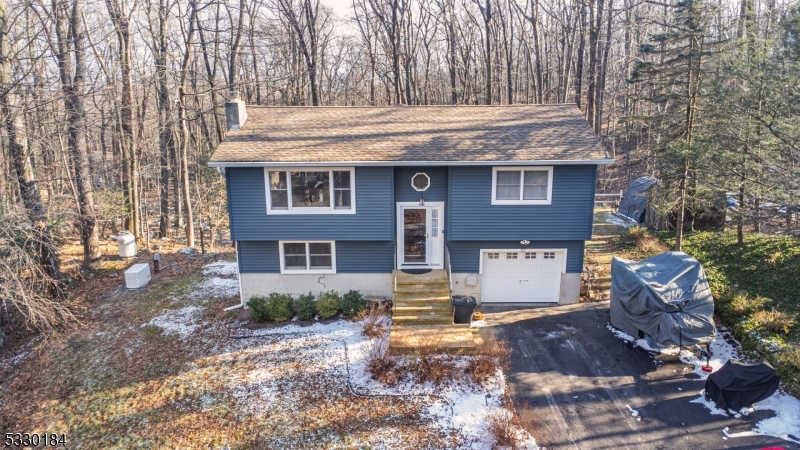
(737, 385)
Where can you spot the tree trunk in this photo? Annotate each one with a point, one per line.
(601, 76)
(681, 217)
(77, 143)
(118, 9)
(21, 163)
(596, 20)
(579, 61)
(184, 129)
(164, 118)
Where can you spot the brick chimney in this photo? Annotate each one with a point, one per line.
(235, 111)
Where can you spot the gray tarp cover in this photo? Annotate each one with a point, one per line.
(634, 202)
(665, 296)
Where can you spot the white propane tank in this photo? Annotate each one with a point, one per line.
(127, 244)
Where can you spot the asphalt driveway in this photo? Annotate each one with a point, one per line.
(587, 389)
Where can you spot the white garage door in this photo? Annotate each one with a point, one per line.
(517, 276)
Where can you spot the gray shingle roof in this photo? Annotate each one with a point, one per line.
(407, 134)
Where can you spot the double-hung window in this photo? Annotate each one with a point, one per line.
(308, 257)
(311, 191)
(522, 185)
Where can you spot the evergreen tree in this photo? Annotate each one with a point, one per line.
(673, 68)
(752, 119)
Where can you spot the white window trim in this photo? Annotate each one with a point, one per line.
(512, 250)
(310, 210)
(284, 270)
(547, 201)
(415, 176)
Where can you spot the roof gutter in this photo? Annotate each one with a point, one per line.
(408, 163)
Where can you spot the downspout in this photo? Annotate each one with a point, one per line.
(238, 274)
(239, 277)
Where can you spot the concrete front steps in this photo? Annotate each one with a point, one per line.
(422, 299)
(422, 319)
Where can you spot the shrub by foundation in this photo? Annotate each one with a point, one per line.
(328, 304)
(304, 306)
(258, 308)
(353, 303)
(279, 307)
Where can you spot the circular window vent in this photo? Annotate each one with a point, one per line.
(420, 181)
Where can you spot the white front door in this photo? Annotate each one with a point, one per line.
(518, 276)
(420, 235)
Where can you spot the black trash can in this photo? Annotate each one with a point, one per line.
(464, 306)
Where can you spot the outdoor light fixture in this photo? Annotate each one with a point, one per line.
(421, 201)
(488, 396)
(526, 242)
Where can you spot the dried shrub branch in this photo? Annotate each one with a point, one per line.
(374, 320)
(24, 285)
(380, 365)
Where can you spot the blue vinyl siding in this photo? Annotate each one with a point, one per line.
(258, 256)
(472, 217)
(351, 257)
(437, 192)
(364, 257)
(465, 256)
(373, 221)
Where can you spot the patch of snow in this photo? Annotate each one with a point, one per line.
(462, 407)
(18, 359)
(217, 287)
(182, 321)
(614, 219)
(221, 268)
(712, 407)
(787, 417)
(552, 335)
(224, 285)
(634, 412)
(721, 352)
(620, 334)
(478, 324)
(786, 422)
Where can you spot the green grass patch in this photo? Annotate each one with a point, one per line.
(756, 288)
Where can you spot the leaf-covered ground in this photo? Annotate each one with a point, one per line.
(157, 368)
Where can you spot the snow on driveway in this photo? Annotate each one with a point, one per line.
(786, 422)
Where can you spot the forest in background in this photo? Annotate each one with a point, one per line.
(110, 109)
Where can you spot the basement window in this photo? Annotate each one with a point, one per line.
(308, 257)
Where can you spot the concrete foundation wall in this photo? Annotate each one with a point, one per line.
(570, 288)
(379, 284)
